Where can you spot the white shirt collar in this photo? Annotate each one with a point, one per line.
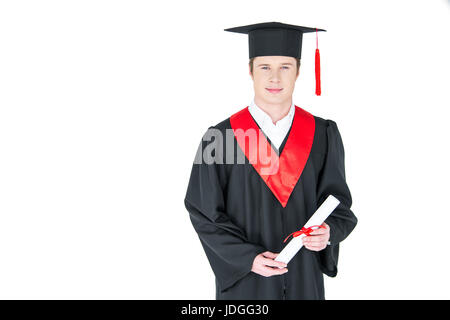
(261, 116)
(275, 132)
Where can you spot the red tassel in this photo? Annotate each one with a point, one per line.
(318, 89)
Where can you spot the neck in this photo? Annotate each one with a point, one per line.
(275, 111)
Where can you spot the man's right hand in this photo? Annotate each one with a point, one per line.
(265, 265)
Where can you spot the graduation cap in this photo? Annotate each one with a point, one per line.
(278, 39)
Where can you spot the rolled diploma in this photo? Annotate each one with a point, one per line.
(317, 218)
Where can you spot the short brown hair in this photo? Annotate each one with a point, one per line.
(251, 64)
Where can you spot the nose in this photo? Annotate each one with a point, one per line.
(275, 76)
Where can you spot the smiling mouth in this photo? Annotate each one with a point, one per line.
(274, 90)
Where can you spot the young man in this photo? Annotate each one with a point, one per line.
(244, 198)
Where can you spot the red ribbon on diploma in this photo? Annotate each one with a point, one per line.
(305, 231)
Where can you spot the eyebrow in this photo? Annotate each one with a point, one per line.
(265, 64)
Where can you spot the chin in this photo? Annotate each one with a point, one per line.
(275, 99)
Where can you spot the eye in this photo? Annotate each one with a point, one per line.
(265, 68)
(285, 67)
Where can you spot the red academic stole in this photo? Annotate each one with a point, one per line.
(289, 166)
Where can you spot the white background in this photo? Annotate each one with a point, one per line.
(103, 104)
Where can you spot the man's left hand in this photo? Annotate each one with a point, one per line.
(318, 239)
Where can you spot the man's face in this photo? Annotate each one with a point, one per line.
(274, 72)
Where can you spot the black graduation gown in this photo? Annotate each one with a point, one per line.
(237, 217)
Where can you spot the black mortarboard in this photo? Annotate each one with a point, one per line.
(274, 38)
(277, 39)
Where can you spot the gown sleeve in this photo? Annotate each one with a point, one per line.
(332, 181)
(229, 252)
